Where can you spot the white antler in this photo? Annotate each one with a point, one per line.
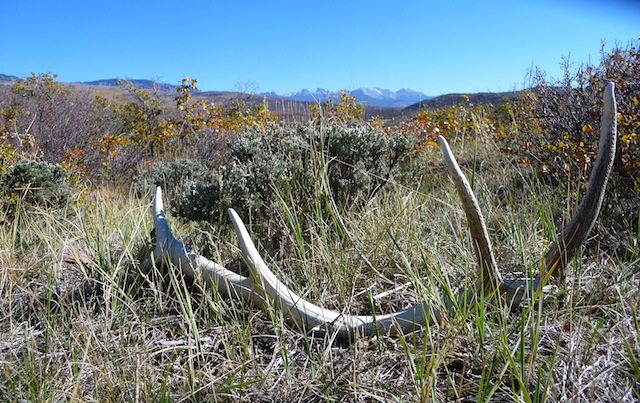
(263, 289)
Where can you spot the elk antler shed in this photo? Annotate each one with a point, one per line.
(264, 290)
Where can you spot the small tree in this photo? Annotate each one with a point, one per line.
(346, 110)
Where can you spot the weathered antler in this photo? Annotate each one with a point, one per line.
(263, 289)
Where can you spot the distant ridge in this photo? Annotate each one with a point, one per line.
(376, 100)
(7, 79)
(142, 84)
(495, 98)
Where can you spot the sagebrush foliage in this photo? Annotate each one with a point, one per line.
(353, 161)
(172, 176)
(36, 183)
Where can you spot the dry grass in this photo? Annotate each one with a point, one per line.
(76, 326)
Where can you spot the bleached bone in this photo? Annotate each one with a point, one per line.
(264, 290)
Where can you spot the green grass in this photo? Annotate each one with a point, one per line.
(76, 326)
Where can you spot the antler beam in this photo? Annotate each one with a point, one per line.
(264, 290)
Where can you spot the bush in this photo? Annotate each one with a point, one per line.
(354, 160)
(45, 119)
(362, 159)
(557, 127)
(172, 176)
(558, 121)
(258, 163)
(36, 183)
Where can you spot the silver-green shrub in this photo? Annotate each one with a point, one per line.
(172, 176)
(36, 183)
(354, 160)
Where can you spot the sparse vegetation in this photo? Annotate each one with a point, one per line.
(79, 321)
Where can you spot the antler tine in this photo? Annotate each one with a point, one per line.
(491, 279)
(585, 216)
(226, 281)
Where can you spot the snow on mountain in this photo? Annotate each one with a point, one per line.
(368, 96)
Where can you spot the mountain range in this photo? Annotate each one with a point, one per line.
(381, 99)
(377, 97)
(369, 97)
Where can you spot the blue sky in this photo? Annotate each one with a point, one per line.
(435, 47)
